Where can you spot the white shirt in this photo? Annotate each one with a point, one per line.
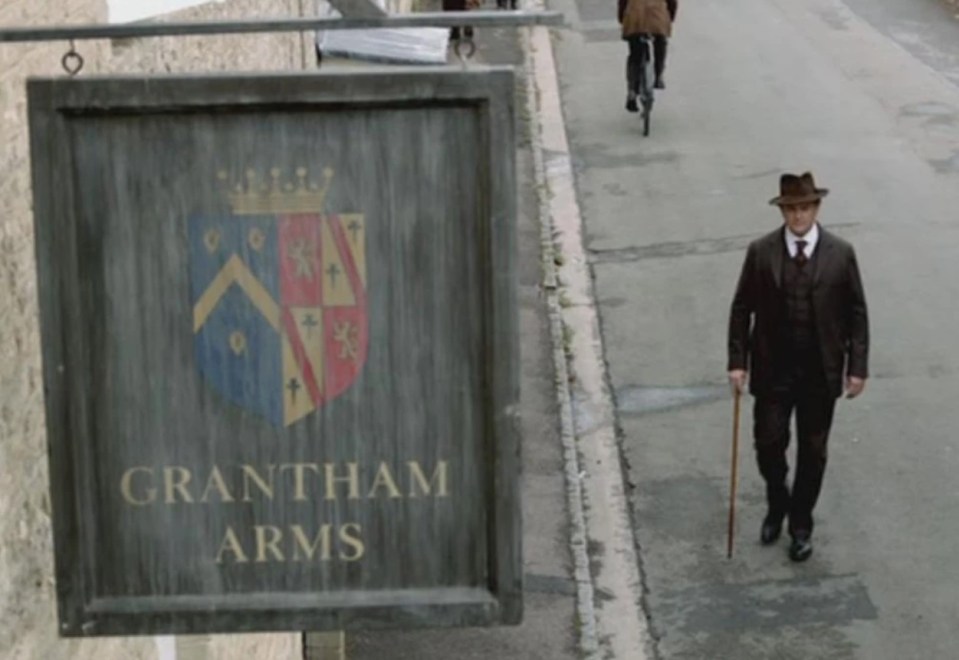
(811, 238)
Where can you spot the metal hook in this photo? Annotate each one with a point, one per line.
(458, 45)
(72, 61)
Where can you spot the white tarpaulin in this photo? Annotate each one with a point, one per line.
(402, 45)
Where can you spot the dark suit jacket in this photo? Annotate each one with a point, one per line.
(756, 321)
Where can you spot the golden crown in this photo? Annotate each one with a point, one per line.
(270, 195)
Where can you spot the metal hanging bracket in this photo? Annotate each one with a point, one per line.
(72, 61)
(446, 19)
(468, 44)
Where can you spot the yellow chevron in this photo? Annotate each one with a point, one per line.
(235, 271)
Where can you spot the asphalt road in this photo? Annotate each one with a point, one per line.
(866, 95)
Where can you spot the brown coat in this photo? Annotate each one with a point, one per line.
(461, 5)
(839, 307)
(646, 17)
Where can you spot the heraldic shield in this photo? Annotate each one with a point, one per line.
(279, 298)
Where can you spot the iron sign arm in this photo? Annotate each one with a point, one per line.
(174, 29)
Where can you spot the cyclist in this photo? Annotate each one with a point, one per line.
(639, 17)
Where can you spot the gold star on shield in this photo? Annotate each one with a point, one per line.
(211, 239)
(256, 239)
(238, 342)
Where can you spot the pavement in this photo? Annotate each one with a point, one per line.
(863, 93)
(549, 628)
(649, 236)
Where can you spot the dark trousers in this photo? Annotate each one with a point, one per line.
(457, 5)
(814, 407)
(635, 59)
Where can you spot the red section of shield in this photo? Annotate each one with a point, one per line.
(342, 245)
(301, 265)
(346, 338)
(345, 334)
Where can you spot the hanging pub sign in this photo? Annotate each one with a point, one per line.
(279, 336)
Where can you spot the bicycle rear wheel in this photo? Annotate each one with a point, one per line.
(646, 86)
(646, 101)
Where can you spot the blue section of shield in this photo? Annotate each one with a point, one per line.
(237, 350)
(238, 353)
(234, 235)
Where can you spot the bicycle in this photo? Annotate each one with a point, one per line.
(642, 79)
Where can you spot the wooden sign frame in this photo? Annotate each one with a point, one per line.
(74, 261)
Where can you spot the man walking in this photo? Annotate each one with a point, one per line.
(798, 323)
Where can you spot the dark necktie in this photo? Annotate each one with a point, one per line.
(801, 257)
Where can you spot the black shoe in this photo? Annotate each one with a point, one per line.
(659, 84)
(772, 528)
(631, 105)
(801, 547)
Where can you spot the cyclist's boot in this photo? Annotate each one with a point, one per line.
(632, 83)
(659, 61)
(658, 80)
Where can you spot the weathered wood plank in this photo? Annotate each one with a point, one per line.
(503, 345)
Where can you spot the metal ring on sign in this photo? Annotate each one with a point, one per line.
(72, 61)
(458, 45)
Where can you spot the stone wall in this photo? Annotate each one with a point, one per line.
(27, 604)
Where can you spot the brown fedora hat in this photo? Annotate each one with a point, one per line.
(799, 189)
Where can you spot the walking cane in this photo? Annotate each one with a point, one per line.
(732, 479)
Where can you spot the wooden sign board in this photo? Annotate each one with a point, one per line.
(280, 349)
